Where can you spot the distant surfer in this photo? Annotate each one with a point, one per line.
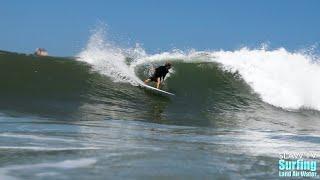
(159, 74)
(41, 52)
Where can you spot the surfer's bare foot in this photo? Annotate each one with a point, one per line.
(146, 81)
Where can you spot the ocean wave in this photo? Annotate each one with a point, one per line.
(107, 75)
(281, 78)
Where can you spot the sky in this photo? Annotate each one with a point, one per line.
(63, 27)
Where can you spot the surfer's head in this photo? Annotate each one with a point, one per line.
(167, 65)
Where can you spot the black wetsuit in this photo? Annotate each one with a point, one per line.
(160, 72)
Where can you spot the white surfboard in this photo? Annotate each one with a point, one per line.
(155, 89)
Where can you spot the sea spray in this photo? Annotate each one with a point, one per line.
(107, 59)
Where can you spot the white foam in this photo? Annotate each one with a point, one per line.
(47, 174)
(37, 148)
(34, 137)
(281, 78)
(67, 164)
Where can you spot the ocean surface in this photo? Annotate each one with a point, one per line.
(85, 117)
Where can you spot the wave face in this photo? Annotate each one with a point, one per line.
(209, 85)
(41, 84)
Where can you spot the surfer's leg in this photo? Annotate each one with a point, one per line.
(158, 82)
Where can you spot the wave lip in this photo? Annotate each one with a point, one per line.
(281, 78)
(107, 59)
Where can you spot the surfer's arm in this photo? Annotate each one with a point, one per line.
(163, 77)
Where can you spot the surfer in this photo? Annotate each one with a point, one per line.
(159, 74)
(41, 52)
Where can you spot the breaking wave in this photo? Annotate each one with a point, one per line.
(280, 78)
